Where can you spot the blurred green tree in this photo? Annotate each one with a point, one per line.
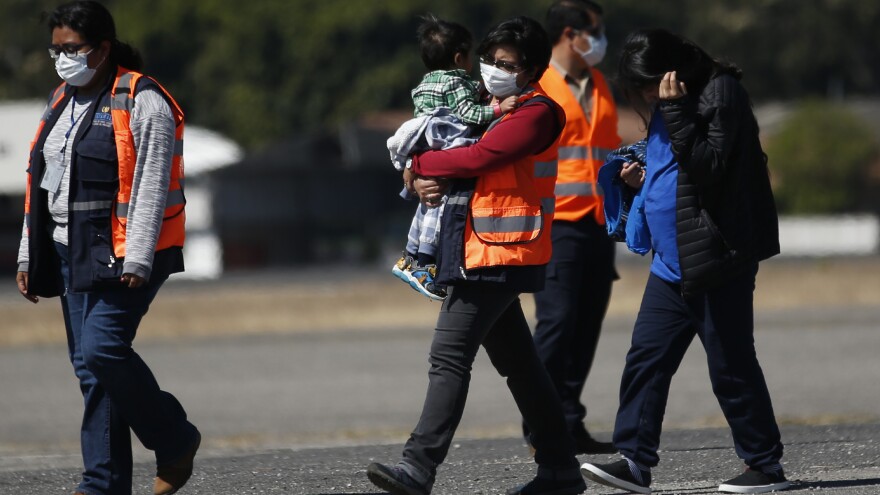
(820, 160)
(265, 69)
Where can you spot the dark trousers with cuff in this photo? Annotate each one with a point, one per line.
(571, 308)
(667, 323)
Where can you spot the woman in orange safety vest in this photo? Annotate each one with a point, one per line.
(495, 243)
(104, 228)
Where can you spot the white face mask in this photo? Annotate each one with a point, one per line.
(596, 53)
(499, 83)
(75, 69)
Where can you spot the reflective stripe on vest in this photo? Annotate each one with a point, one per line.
(546, 169)
(174, 198)
(579, 189)
(548, 204)
(583, 146)
(90, 205)
(508, 229)
(584, 153)
(122, 100)
(526, 226)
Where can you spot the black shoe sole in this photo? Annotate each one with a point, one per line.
(390, 484)
(562, 491)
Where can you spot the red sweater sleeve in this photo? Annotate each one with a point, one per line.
(527, 131)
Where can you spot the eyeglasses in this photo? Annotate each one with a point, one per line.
(501, 64)
(69, 49)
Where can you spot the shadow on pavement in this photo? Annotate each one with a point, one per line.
(812, 485)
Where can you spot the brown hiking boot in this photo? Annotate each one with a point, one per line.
(172, 477)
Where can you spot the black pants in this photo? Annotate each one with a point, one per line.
(487, 315)
(571, 308)
(664, 329)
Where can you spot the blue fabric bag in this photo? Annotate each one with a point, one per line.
(625, 206)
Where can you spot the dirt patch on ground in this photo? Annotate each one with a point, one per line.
(373, 300)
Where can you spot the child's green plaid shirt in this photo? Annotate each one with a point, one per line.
(454, 89)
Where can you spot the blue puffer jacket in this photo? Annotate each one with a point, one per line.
(625, 206)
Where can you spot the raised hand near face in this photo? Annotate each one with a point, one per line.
(671, 88)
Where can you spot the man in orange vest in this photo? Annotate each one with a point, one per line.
(572, 305)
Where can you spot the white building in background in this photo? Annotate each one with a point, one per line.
(203, 151)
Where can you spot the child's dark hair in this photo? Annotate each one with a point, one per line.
(95, 24)
(648, 54)
(441, 40)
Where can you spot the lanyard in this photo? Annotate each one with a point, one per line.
(72, 122)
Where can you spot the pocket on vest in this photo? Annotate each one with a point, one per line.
(96, 164)
(106, 266)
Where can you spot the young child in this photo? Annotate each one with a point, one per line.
(448, 113)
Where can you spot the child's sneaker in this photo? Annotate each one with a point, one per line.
(403, 266)
(422, 280)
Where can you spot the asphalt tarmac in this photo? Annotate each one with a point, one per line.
(838, 459)
(307, 412)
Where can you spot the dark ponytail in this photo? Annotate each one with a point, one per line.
(95, 24)
(126, 55)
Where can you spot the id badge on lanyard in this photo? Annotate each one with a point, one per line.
(55, 166)
(54, 173)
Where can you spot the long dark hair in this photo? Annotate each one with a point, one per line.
(648, 54)
(527, 36)
(95, 24)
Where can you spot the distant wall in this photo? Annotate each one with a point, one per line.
(829, 235)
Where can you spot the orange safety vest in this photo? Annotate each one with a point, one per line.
(583, 146)
(122, 96)
(511, 209)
